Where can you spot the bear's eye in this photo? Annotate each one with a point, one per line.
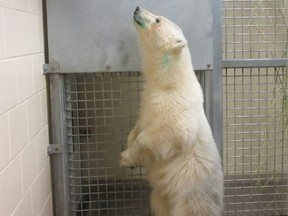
(157, 20)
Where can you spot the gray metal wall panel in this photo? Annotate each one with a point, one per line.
(97, 36)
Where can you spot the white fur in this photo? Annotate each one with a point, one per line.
(172, 138)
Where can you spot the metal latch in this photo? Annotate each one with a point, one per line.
(50, 68)
(54, 149)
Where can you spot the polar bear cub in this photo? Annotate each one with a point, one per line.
(172, 138)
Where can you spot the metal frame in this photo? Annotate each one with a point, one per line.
(216, 81)
(59, 161)
(255, 63)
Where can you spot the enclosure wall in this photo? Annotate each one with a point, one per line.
(24, 165)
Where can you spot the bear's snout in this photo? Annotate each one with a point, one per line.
(138, 18)
(137, 10)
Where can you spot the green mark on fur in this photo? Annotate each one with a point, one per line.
(166, 59)
(143, 26)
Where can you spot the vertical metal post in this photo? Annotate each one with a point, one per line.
(59, 161)
(207, 91)
(215, 84)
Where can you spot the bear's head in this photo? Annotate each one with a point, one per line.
(157, 32)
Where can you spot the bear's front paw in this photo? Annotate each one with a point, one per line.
(125, 160)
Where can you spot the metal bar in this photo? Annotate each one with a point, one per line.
(207, 90)
(52, 71)
(56, 70)
(216, 81)
(254, 63)
(59, 162)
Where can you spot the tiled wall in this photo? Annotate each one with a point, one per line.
(25, 186)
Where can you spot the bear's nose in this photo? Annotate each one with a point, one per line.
(137, 10)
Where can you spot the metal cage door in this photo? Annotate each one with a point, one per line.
(95, 87)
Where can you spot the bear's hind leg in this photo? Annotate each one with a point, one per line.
(194, 206)
(159, 204)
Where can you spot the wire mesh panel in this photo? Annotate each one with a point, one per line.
(255, 29)
(255, 142)
(101, 109)
(255, 148)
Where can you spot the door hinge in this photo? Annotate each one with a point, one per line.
(50, 68)
(54, 149)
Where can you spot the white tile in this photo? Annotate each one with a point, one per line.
(6, 3)
(36, 7)
(11, 187)
(39, 78)
(2, 47)
(8, 83)
(24, 77)
(25, 206)
(40, 7)
(28, 164)
(4, 141)
(21, 5)
(18, 128)
(44, 112)
(47, 176)
(38, 194)
(34, 160)
(30, 26)
(47, 210)
(40, 34)
(1, 204)
(34, 115)
(13, 32)
(41, 148)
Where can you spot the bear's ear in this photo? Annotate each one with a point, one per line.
(178, 44)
